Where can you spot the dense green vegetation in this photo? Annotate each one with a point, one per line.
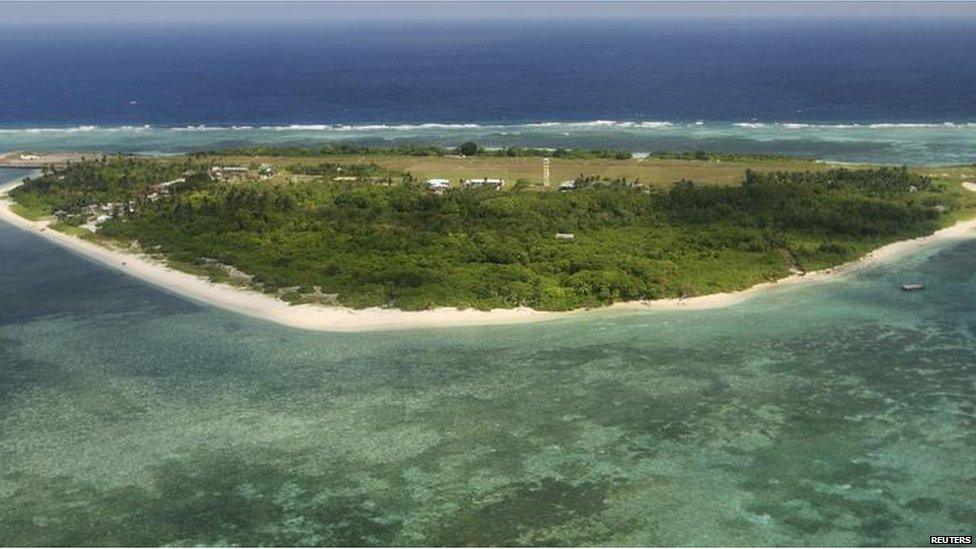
(395, 244)
(115, 180)
(613, 154)
(721, 157)
(468, 148)
(331, 149)
(471, 148)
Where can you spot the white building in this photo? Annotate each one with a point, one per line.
(438, 184)
(167, 184)
(484, 182)
(221, 172)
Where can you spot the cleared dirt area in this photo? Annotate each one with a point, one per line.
(22, 159)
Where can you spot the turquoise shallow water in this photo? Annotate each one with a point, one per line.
(887, 143)
(838, 414)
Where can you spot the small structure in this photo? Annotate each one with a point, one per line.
(568, 185)
(29, 157)
(912, 287)
(344, 178)
(266, 171)
(165, 185)
(565, 236)
(438, 185)
(226, 172)
(484, 182)
(912, 189)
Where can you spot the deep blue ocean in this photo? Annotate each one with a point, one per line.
(854, 91)
(490, 72)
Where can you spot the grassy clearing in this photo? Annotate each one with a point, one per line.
(72, 230)
(34, 211)
(650, 171)
(964, 201)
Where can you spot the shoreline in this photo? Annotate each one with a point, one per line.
(342, 319)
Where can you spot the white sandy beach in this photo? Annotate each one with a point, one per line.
(342, 319)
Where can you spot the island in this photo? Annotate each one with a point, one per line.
(530, 231)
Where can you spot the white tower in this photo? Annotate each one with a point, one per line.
(545, 172)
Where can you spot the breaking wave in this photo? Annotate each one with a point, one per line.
(511, 128)
(855, 126)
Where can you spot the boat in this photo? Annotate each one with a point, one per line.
(912, 287)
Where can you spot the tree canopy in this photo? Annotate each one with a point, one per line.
(362, 243)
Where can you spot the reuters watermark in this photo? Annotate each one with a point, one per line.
(950, 540)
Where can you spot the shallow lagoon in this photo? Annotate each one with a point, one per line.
(837, 414)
